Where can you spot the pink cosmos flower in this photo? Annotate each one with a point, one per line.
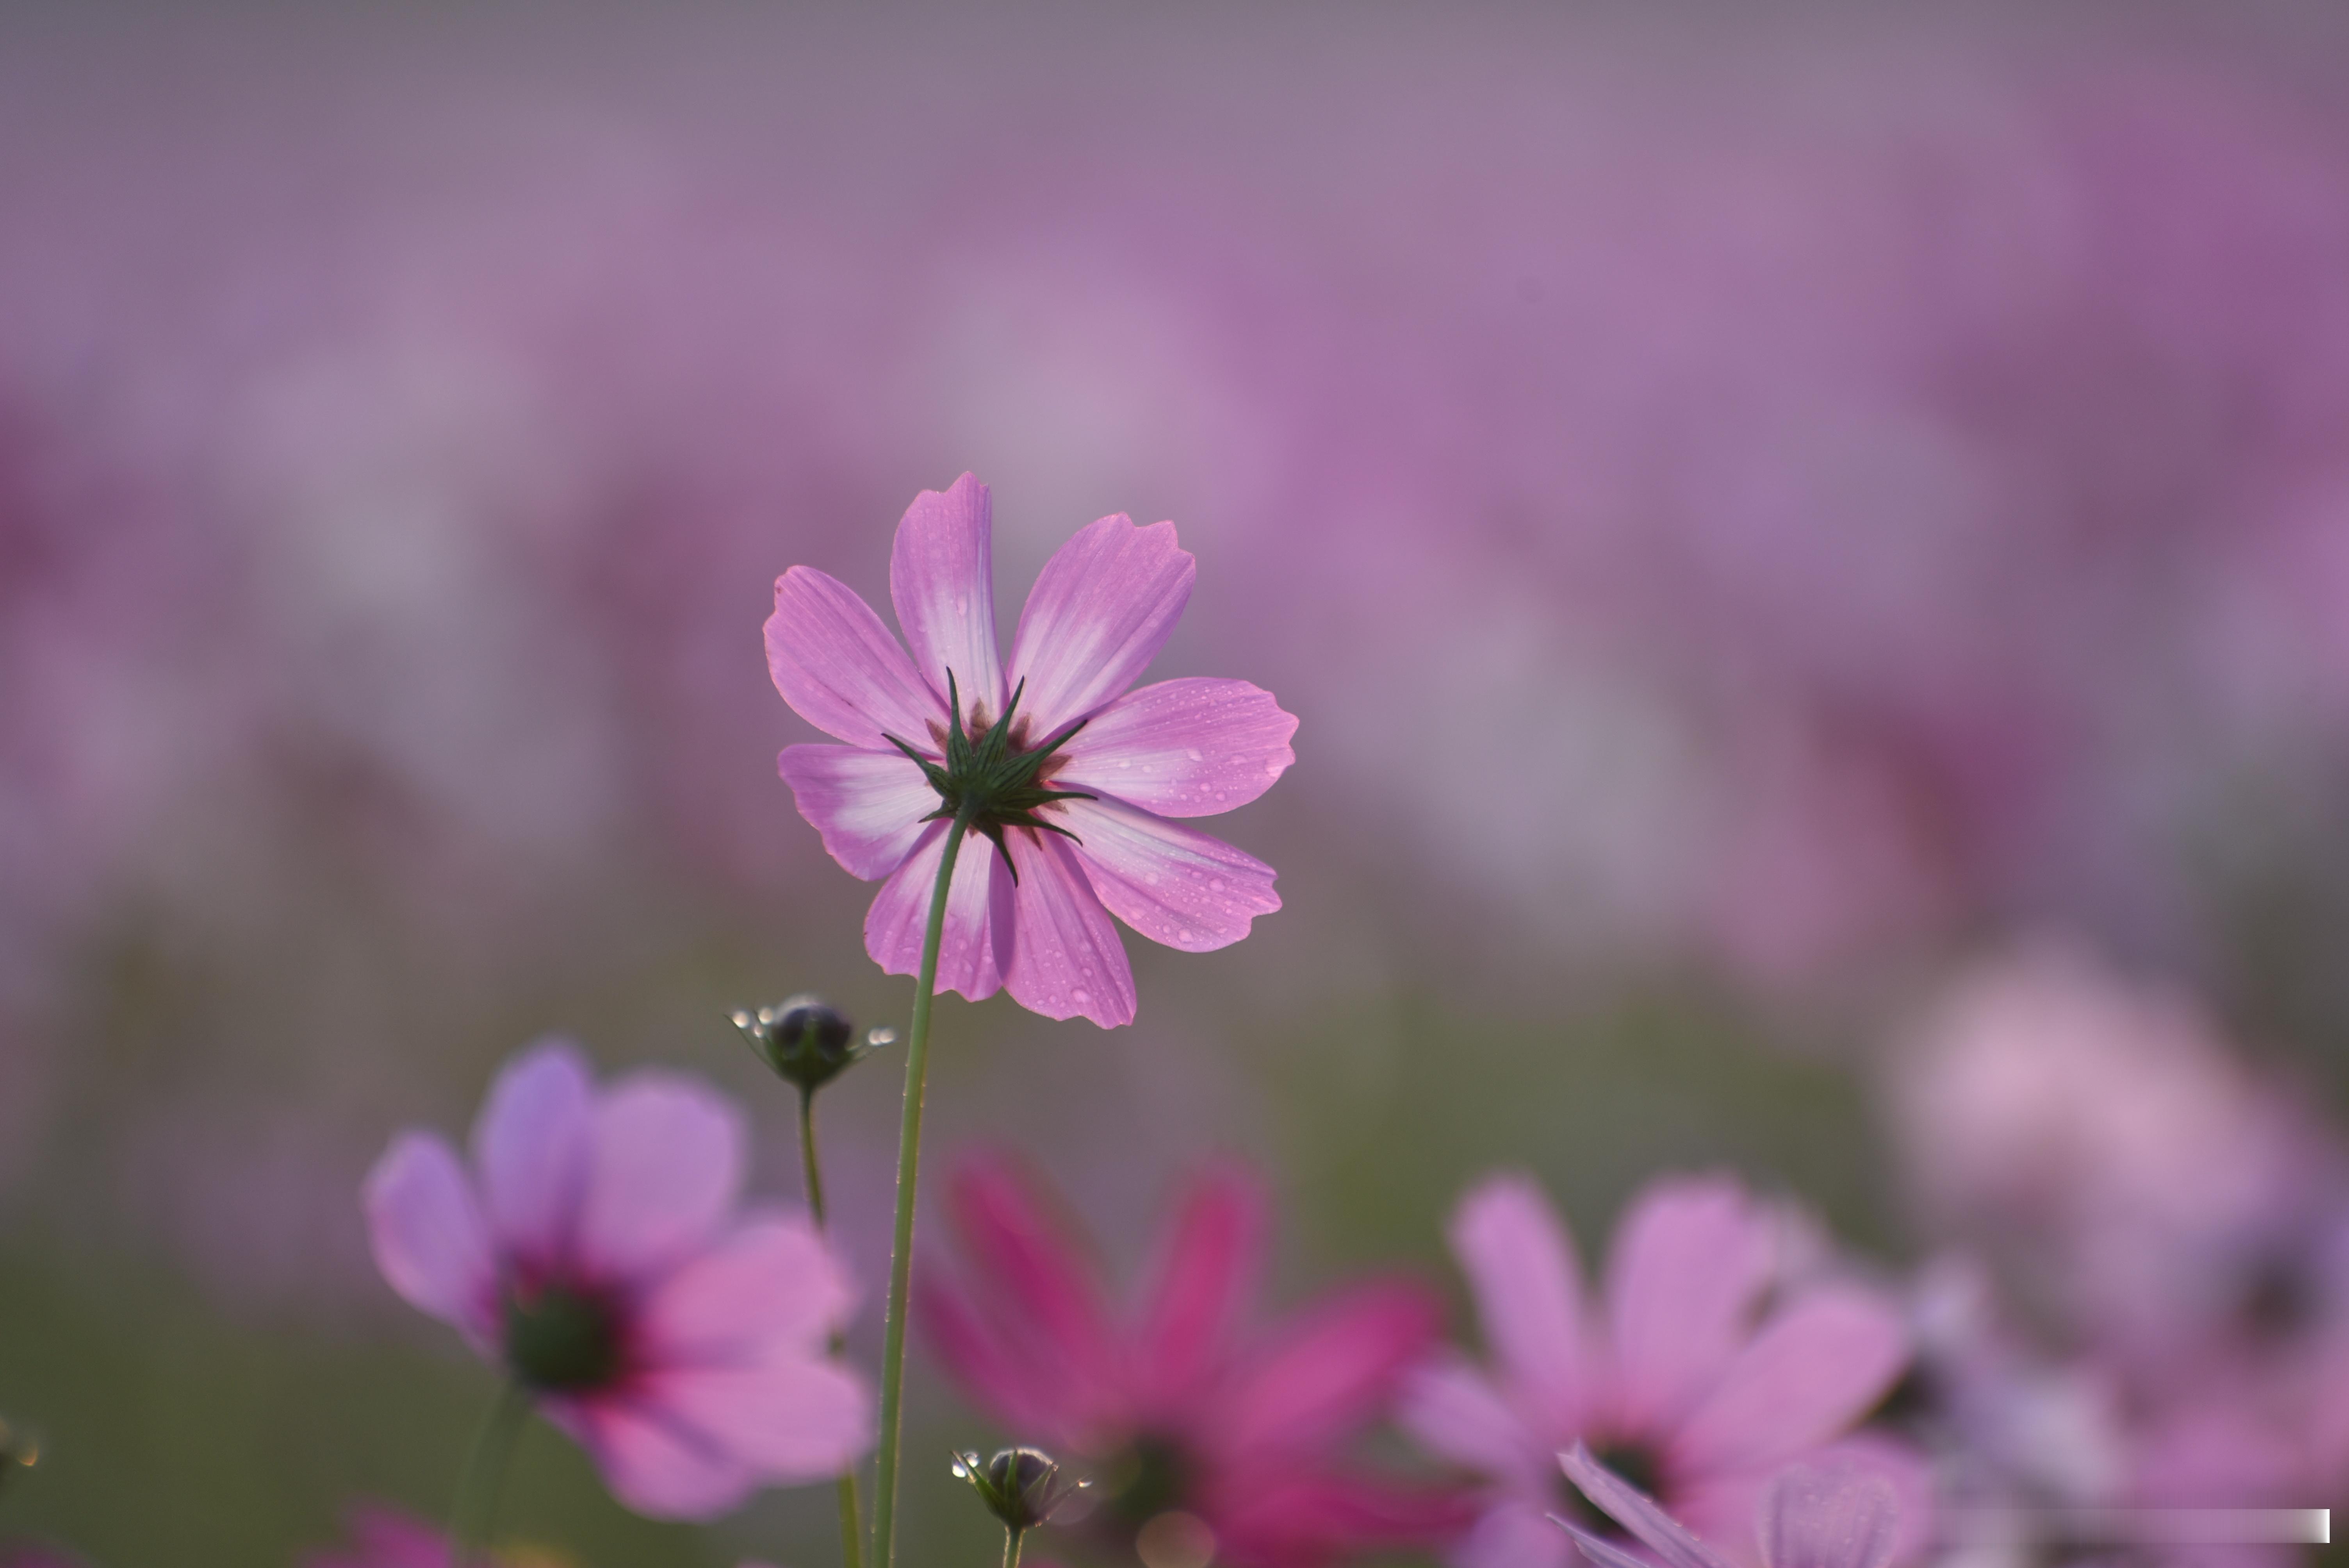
(595, 1254)
(1222, 1441)
(386, 1538)
(1671, 1377)
(1072, 779)
(1810, 1516)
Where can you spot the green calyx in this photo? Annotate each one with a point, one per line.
(994, 782)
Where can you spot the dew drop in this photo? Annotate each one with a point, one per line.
(1195, 754)
(1080, 995)
(1215, 884)
(1182, 936)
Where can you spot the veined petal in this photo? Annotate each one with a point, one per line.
(1100, 609)
(531, 1143)
(1521, 1266)
(868, 805)
(1034, 1292)
(428, 1235)
(1066, 959)
(1689, 1261)
(839, 667)
(654, 1462)
(1172, 884)
(668, 1166)
(1188, 748)
(1828, 1516)
(1636, 1512)
(789, 1417)
(1200, 1280)
(978, 915)
(942, 580)
(772, 1282)
(1814, 1370)
(1334, 1367)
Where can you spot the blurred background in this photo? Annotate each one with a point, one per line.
(1811, 553)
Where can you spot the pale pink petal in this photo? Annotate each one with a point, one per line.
(868, 805)
(772, 1282)
(978, 915)
(1598, 1553)
(1332, 1367)
(428, 1236)
(1521, 1267)
(1170, 882)
(1514, 1533)
(1457, 1415)
(1822, 1516)
(1066, 959)
(1188, 748)
(1689, 1260)
(654, 1463)
(668, 1166)
(1203, 1278)
(789, 1417)
(942, 580)
(1100, 609)
(1907, 1470)
(841, 670)
(531, 1143)
(1636, 1512)
(1038, 1295)
(1814, 1370)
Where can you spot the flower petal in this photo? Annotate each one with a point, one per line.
(1200, 1284)
(839, 667)
(1172, 884)
(772, 1282)
(1457, 1415)
(978, 917)
(942, 580)
(1515, 1534)
(654, 1463)
(667, 1168)
(428, 1236)
(1333, 1367)
(531, 1143)
(1689, 1260)
(1814, 1370)
(1636, 1512)
(1188, 748)
(1828, 1516)
(1521, 1267)
(789, 1417)
(994, 1374)
(1100, 609)
(1066, 959)
(868, 805)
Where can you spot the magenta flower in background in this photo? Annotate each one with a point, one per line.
(1197, 1427)
(596, 1256)
(1084, 831)
(1809, 1516)
(1671, 1378)
(386, 1538)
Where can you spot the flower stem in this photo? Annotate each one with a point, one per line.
(475, 1514)
(851, 1532)
(1011, 1548)
(901, 1249)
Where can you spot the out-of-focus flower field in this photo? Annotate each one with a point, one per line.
(1810, 552)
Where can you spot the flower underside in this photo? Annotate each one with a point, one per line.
(993, 782)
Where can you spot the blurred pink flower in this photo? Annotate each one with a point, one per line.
(1676, 1384)
(1810, 1516)
(386, 1538)
(1192, 1425)
(1115, 766)
(600, 1262)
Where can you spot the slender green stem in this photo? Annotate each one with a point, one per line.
(901, 1248)
(1011, 1548)
(475, 1515)
(852, 1530)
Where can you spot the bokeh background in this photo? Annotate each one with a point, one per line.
(1794, 539)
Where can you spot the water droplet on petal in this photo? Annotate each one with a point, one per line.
(1215, 884)
(1080, 995)
(1195, 754)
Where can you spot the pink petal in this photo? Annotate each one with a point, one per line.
(1688, 1263)
(772, 1282)
(1171, 883)
(1333, 1368)
(1313, 1516)
(1636, 1512)
(1822, 1516)
(1100, 609)
(978, 915)
(839, 667)
(1066, 959)
(1038, 1296)
(1188, 748)
(666, 1172)
(1199, 1284)
(868, 805)
(942, 580)
(1458, 1416)
(1521, 1267)
(1516, 1534)
(428, 1236)
(531, 1143)
(789, 1417)
(654, 1463)
(994, 1372)
(1814, 1370)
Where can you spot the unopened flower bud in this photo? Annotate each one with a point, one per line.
(805, 1041)
(1021, 1487)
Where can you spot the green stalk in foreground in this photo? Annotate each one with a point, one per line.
(909, 1158)
(852, 1529)
(474, 1518)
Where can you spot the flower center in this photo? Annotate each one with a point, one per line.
(1635, 1461)
(561, 1340)
(993, 781)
